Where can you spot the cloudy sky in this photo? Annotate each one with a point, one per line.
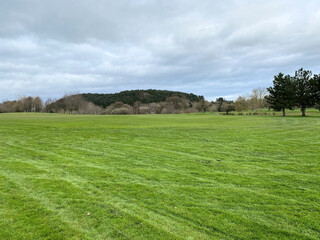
(209, 47)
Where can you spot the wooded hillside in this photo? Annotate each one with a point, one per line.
(130, 97)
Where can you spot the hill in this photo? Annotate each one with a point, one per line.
(130, 97)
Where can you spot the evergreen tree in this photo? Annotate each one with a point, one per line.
(304, 89)
(281, 95)
(315, 82)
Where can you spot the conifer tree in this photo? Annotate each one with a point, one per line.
(315, 82)
(282, 94)
(304, 89)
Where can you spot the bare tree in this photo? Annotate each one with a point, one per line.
(37, 104)
(253, 101)
(227, 107)
(241, 104)
(167, 107)
(155, 108)
(48, 105)
(136, 107)
(144, 109)
(8, 106)
(90, 108)
(178, 102)
(202, 105)
(262, 93)
(73, 103)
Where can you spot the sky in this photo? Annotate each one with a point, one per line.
(210, 47)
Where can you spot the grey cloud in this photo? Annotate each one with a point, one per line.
(212, 48)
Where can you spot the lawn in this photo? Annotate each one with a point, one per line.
(193, 176)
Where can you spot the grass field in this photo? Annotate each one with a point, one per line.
(197, 176)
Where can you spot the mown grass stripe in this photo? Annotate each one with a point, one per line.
(162, 172)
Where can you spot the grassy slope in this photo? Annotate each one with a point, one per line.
(159, 177)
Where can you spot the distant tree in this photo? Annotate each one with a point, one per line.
(48, 105)
(20, 104)
(304, 89)
(315, 83)
(167, 107)
(282, 94)
(62, 105)
(261, 94)
(241, 104)
(178, 102)
(8, 106)
(202, 105)
(73, 103)
(37, 104)
(118, 104)
(213, 107)
(257, 99)
(117, 108)
(227, 107)
(219, 102)
(155, 108)
(120, 111)
(253, 100)
(144, 109)
(136, 107)
(27, 104)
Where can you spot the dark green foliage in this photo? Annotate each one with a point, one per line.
(219, 102)
(224, 105)
(130, 97)
(282, 94)
(315, 84)
(304, 89)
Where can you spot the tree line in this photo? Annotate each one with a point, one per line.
(78, 104)
(24, 104)
(256, 101)
(126, 102)
(301, 90)
(288, 92)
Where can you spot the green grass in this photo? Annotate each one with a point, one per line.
(296, 111)
(196, 176)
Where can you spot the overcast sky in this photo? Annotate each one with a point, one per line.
(207, 47)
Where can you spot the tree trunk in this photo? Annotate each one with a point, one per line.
(283, 112)
(303, 110)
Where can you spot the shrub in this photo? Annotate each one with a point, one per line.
(120, 111)
(144, 110)
(155, 108)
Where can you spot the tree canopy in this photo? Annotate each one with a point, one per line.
(282, 94)
(130, 97)
(301, 90)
